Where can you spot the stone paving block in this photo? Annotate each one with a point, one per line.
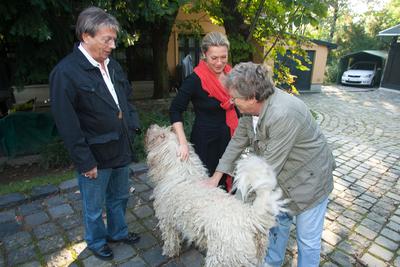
(394, 226)
(29, 208)
(70, 221)
(123, 252)
(76, 234)
(141, 187)
(146, 196)
(329, 264)
(51, 244)
(11, 200)
(348, 248)
(9, 228)
(380, 252)
(331, 237)
(143, 211)
(372, 261)
(69, 185)
(138, 168)
(391, 234)
(45, 230)
(17, 240)
(366, 232)
(7, 216)
(43, 191)
(136, 227)
(60, 211)
(154, 256)
(326, 248)
(370, 224)
(31, 264)
(54, 201)
(135, 262)
(343, 259)
(79, 248)
(150, 223)
(174, 263)
(346, 221)
(93, 261)
(21, 255)
(35, 219)
(73, 196)
(353, 214)
(146, 241)
(387, 243)
(59, 258)
(359, 242)
(395, 219)
(376, 217)
(397, 261)
(192, 258)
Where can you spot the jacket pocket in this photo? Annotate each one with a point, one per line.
(106, 147)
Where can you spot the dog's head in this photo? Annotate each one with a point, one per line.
(155, 136)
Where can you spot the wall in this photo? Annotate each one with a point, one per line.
(205, 23)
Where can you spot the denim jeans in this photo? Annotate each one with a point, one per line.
(109, 188)
(309, 227)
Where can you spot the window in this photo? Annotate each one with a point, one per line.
(189, 44)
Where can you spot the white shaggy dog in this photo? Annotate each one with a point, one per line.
(233, 233)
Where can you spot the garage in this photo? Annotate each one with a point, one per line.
(375, 57)
(391, 74)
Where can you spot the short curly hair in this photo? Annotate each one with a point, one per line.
(251, 80)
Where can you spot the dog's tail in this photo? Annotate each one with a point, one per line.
(254, 175)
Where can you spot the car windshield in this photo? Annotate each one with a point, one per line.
(363, 66)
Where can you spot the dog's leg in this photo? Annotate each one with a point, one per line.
(171, 239)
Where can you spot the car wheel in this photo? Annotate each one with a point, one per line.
(372, 82)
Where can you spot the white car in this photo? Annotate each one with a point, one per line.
(360, 73)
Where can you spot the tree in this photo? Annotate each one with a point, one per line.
(34, 34)
(276, 25)
(157, 18)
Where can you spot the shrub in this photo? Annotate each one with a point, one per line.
(54, 155)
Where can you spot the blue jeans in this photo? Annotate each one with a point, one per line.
(309, 227)
(109, 188)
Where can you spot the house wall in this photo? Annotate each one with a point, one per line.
(173, 45)
(319, 64)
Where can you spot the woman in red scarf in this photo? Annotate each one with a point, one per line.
(215, 116)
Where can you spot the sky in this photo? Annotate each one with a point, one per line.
(361, 6)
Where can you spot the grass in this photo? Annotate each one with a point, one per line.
(26, 186)
(54, 153)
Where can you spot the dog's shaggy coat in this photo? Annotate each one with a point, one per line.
(233, 232)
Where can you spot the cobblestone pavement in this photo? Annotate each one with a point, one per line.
(362, 225)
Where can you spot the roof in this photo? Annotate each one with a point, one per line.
(393, 31)
(378, 53)
(325, 43)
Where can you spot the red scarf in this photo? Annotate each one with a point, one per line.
(214, 88)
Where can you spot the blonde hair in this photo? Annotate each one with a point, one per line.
(214, 39)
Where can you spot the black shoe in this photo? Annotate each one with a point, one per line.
(131, 239)
(104, 253)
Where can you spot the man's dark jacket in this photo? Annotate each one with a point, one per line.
(86, 114)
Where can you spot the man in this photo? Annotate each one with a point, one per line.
(280, 128)
(89, 101)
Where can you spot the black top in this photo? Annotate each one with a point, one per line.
(210, 134)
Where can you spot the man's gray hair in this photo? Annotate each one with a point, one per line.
(251, 80)
(91, 19)
(214, 39)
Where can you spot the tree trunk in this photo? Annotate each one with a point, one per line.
(160, 37)
(235, 28)
(332, 30)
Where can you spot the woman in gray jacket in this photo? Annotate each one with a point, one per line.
(280, 128)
